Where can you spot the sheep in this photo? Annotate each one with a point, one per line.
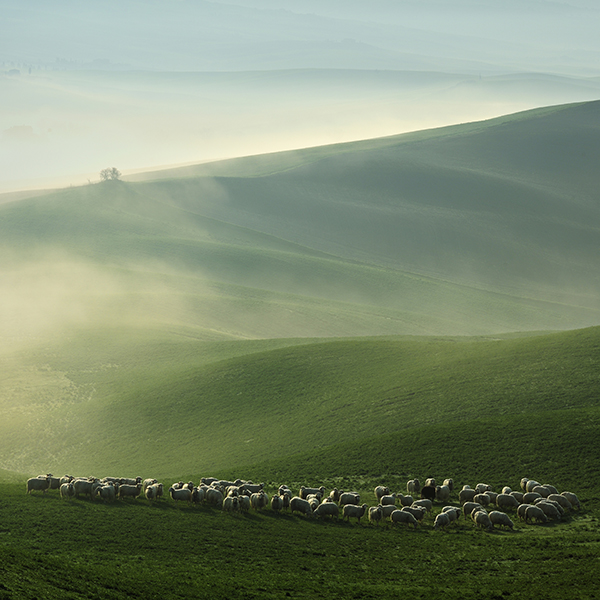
(430, 482)
(313, 501)
(550, 488)
(453, 513)
(107, 492)
(285, 501)
(354, 511)
(198, 494)
(130, 491)
(530, 497)
(66, 479)
(442, 493)
(492, 496)
(327, 509)
(148, 482)
(502, 519)
(214, 496)
(403, 516)
(244, 503)
(441, 521)
(67, 491)
(349, 498)
(150, 492)
(469, 507)
(86, 486)
(482, 499)
(381, 491)
(535, 513)
(259, 500)
(518, 496)
(506, 490)
(305, 491)
(466, 495)
(129, 481)
(418, 512)
(523, 484)
(276, 503)
(208, 480)
(334, 494)
(559, 508)
(37, 484)
(424, 502)
(550, 510)
(482, 519)
(301, 505)
(413, 486)
(231, 503)
(253, 488)
(388, 500)
(387, 510)
(483, 487)
(506, 501)
(184, 493)
(449, 483)
(542, 490)
(572, 498)
(531, 483)
(428, 492)
(522, 510)
(284, 489)
(375, 514)
(405, 500)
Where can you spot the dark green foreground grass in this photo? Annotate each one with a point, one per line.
(50, 548)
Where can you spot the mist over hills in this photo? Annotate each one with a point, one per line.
(471, 229)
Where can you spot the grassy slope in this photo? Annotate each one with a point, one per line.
(435, 232)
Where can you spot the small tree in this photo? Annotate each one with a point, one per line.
(112, 174)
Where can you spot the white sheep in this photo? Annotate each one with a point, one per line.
(231, 503)
(327, 509)
(130, 491)
(388, 500)
(301, 505)
(305, 491)
(506, 501)
(441, 521)
(483, 487)
(418, 512)
(530, 497)
(38, 484)
(107, 492)
(349, 498)
(381, 491)
(244, 502)
(535, 513)
(413, 486)
(453, 512)
(276, 503)
(502, 519)
(184, 494)
(425, 503)
(430, 482)
(449, 483)
(542, 490)
(387, 510)
(67, 490)
(469, 507)
(518, 496)
(531, 483)
(354, 511)
(466, 495)
(572, 498)
(521, 511)
(561, 500)
(482, 499)
(214, 496)
(550, 510)
(482, 519)
(442, 493)
(375, 514)
(403, 516)
(259, 500)
(405, 500)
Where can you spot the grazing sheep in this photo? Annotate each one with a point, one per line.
(198, 494)
(148, 482)
(482, 519)
(276, 503)
(518, 496)
(418, 512)
(531, 497)
(253, 488)
(492, 496)
(131, 491)
(442, 493)
(334, 494)
(521, 511)
(506, 490)
(413, 486)
(572, 498)
(214, 496)
(208, 480)
(502, 519)
(327, 509)
(449, 483)
(483, 487)
(482, 499)
(349, 498)
(381, 491)
(375, 514)
(67, 491)
(389, 500)
(535, 513)
(354, 511)
(531, 483)
(469, 507)
(551, 488)
(244, 503)
(130, 481)
(313, 501)
(466, 495)
(558, 507)
(38, 484)
(441, 521)
(86, 487)
(301, 505)
(506, 501)
(424, 503)
(107, 492)
(405, 500)
(387, 510)
(403, 516)
(550, 510)
(561, 500)
(542, 490)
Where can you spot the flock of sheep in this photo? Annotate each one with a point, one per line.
(534, 503)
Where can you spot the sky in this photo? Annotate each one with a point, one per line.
(140, 84)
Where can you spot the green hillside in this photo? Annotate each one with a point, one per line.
(473, 229)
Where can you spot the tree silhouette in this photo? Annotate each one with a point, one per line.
(111, 174)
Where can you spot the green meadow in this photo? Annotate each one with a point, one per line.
(423, 305)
